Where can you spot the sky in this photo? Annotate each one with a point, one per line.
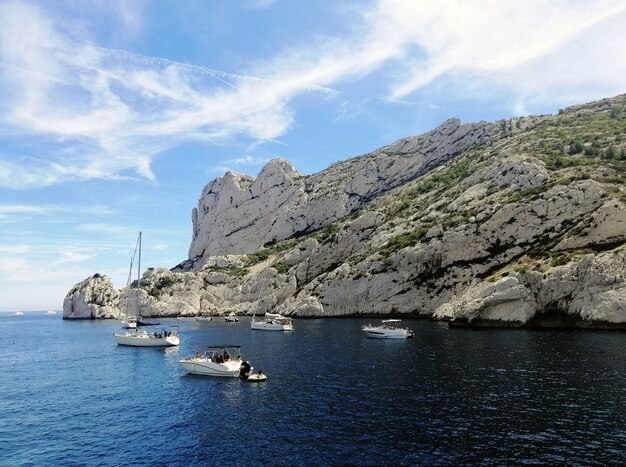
(114, 114)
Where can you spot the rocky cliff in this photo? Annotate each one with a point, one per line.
(519, 222)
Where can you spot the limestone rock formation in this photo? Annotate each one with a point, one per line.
(588, 294)
(516, 223)
(95, 297)
(238, 214)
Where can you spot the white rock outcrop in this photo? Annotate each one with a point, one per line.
(238, 214)
(589, 293)
(95, 297)
(466, 223)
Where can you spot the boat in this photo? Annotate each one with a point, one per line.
(133, 322)
(217, 360)
(18, 313)
(255, 377)
(204, 318)
(132, 335)
(246, 374)
(272, 322)
(129, 322)
(231, 317)
(51, 312)
(167, 337)
(388, 329)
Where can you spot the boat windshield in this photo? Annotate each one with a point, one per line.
(225, 352)
(391, 323)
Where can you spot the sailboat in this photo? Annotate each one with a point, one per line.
(133, 336)
(134, 320)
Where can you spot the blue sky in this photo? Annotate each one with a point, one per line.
(114, 114)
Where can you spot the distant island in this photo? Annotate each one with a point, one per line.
(518, 222)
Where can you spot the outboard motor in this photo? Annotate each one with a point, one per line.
(244, 370)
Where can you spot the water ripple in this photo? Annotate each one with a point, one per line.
(69, 396)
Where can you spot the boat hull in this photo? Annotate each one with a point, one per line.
(145, 340)
(383, 335)
(206, 367)
(261, 326)
(255, 378)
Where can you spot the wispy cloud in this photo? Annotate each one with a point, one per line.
(12, 211)
(246, 160)
(109, 111)
(108, 229)
(500, 42)
(104, 113)
(15, 249)
(245, 164)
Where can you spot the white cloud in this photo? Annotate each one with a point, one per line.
(504, 42)
(246, 164)
(11, 211)
(111, 111)
(71, 255)
(15, 249)
(247, 160)
(101, 112)
(108, 229)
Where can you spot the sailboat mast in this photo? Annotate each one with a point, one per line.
(139, 264)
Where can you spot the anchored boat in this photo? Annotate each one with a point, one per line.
(388, 329)
(167, 337)
(217, 360)
(272, 322)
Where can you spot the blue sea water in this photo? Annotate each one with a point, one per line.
(70, 396)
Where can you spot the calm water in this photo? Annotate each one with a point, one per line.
(70, 396)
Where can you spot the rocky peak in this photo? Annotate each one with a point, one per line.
(515, 223)
(238, 214)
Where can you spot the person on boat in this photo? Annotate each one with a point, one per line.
(197, 356)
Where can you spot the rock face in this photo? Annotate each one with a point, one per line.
(238, 214)
(514, 223)
(589, 294)
(95, 297)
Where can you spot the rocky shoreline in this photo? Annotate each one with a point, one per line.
(516, 223)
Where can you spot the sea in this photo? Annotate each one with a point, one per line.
(69, 396)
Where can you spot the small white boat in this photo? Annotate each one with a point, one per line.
(18, 313)
(246, 374)
(51, 312)
(218, 360)
(389, 329)
(231, 317)
(140, 338)
(272, 322)
(256, 378)
(204, 318)
(129, 322)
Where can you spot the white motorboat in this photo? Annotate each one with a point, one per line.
(255, 377)
(231, 317)
(18, 313)
(217, 360)
(51, 312)
(204, 318)
(129, 322)
(167, 337)
(388, 329)
(272, 322)
(247, 374)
